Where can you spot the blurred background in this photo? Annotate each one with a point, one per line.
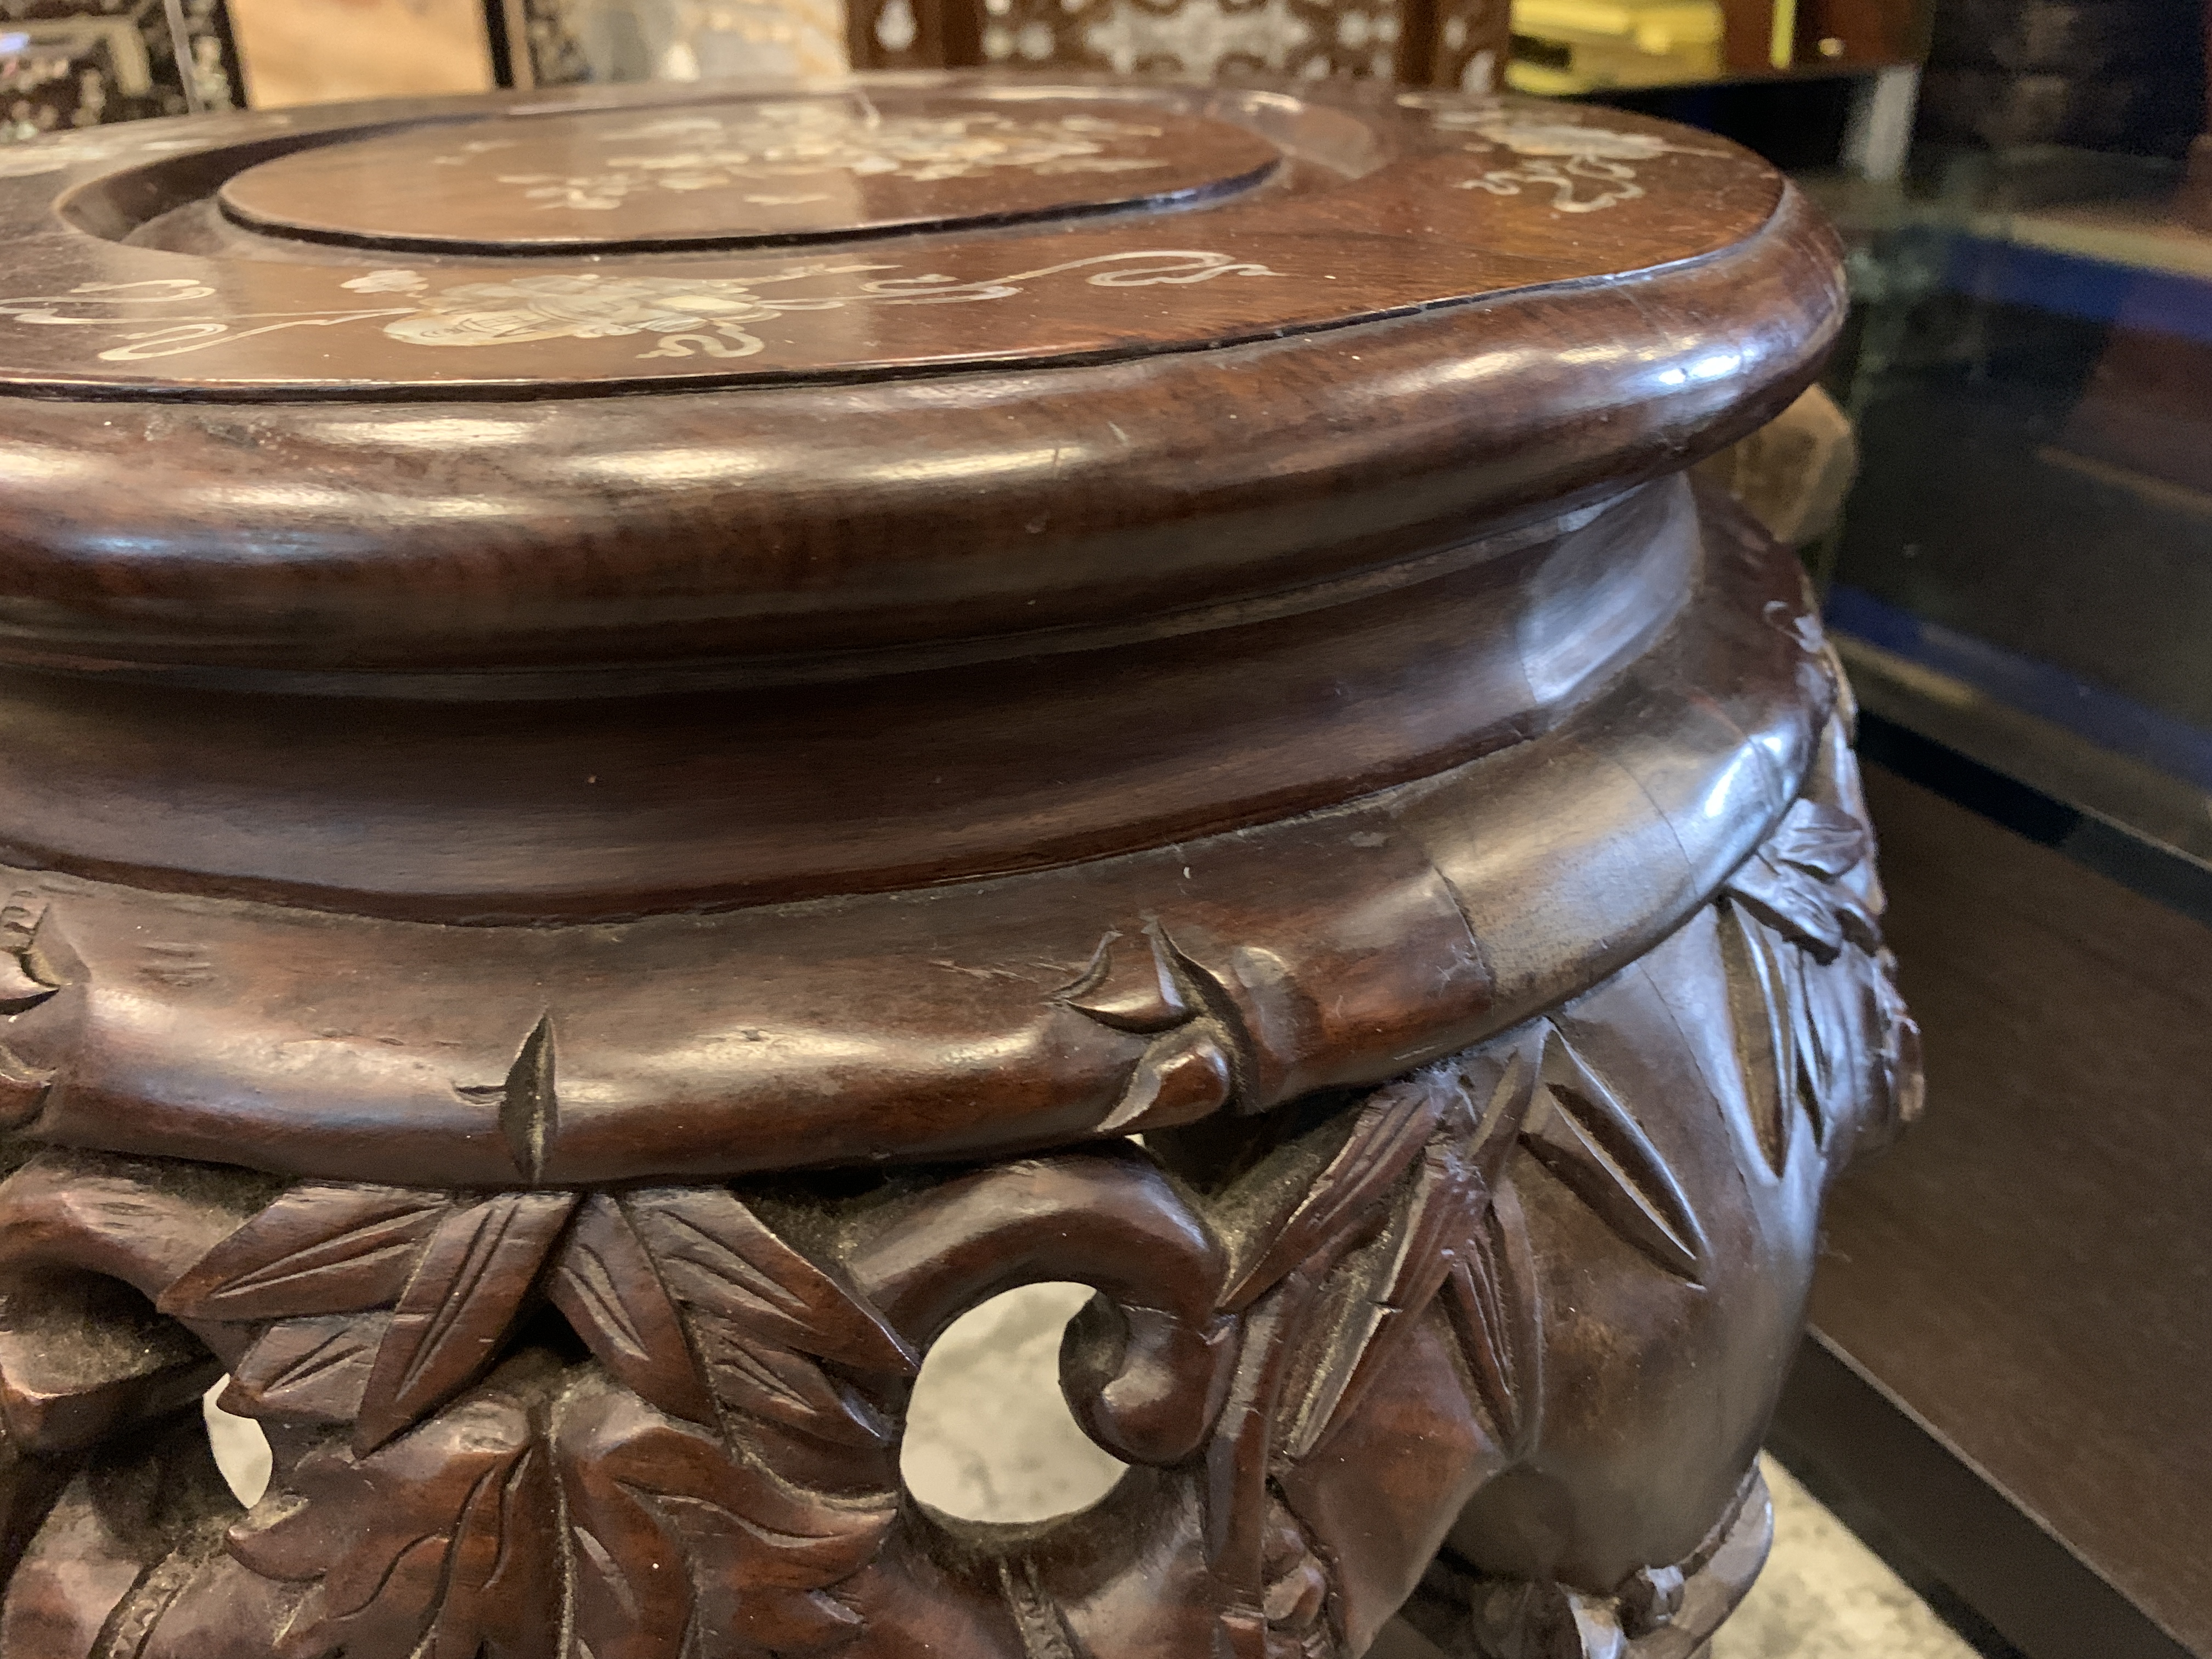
(1997, 1437)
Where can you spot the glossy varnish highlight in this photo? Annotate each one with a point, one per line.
(651, 740)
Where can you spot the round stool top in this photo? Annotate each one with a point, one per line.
(746, 174)
(907, 618)
(473, 396)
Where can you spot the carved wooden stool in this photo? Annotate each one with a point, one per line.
(652, 742)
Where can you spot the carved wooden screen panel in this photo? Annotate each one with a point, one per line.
(1473, 39)
(78, 63)
(1457, 43)
(568, 42)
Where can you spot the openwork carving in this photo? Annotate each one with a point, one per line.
(662, 1421)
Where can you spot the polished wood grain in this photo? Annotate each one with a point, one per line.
(1401, 364)
(1435, 205)
(1434, 910)
(1155, 707)
(775, 170)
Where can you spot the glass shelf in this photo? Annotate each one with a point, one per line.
(2024, 571)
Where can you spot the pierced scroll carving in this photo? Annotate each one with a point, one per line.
(663, 1421)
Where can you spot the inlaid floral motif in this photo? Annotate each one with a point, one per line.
(689, 315)
(808, 139)
(1586, 168)
(38, 158)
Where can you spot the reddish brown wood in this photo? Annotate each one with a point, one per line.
(799, 170)
(560, 939)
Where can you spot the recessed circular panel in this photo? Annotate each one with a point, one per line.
(731, 173)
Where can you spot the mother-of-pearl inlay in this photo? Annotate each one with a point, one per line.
(798, 139)
(692, 315)
(1585, 168)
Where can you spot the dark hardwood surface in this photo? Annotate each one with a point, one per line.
(2029, 1273)
(1445, 200)
(724, 796)
(1435, 911)
(726, 175)
(598, 843)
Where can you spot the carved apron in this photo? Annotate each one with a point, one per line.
(647, 748)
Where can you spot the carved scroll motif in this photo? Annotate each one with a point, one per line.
(664, 1423)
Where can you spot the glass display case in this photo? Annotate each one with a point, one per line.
(2008, 1328)
(2025, 568)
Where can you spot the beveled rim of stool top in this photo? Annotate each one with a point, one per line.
(620, 389)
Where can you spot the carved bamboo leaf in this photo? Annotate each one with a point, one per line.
(1794, 902)
(1491, 1299)
(683, 1552)
(1846, 1019)
(1388, 1135)
(1044, 1630)
(1825, 839)
(1441, 1233)
(1759, 1015)
(717, 1256)
(36, 962)
(308, 1370)
(20, 990)
(474, 1274)
(1814, 1042)
(1795, 881)
(444, 1545)
(24, 1088)
(607, 1285)
(798, 1621)
(1580, 1131)
(1500, 1079)
(761, 1379)
(320, 1248)
(1131, 984)
(1440, 1216)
